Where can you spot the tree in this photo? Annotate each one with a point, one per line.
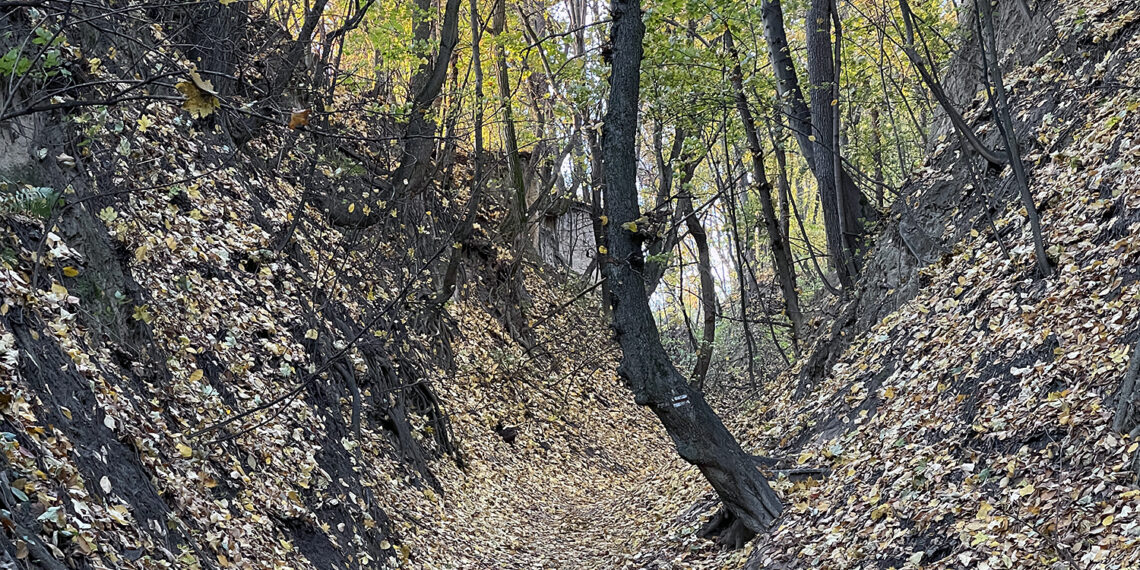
(516, 222)
(842, 228)
(419, 136)
(775, 227)
(999, 101)
(749, 504)
(844, 207)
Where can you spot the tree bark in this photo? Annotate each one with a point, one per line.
(805, 124)
(708, 289)
(877, 155)
(787, 82)
(597, 185)
(419, 136)
(821, 73)
(1125, 418)
(697, 432)
(516, 222)
(1000, 102)
(777, 236)
(466, 226)
(665, 216)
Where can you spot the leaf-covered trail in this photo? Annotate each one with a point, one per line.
(580, 486)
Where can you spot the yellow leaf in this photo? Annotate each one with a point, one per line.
(1107, 520)
(196, 375)
(602, 250)
(351, 207)
(889, 392)
(85, 545)
(142, 313)
(311, 334)
(185, 451)
(605, 220)
(1132, 448)
(70, 271)
(201, 99)
(984, 510)
(1026, 490)
(59, 290)
(144, 123)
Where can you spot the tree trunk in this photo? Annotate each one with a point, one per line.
(935, 87)
(877, 156)
(466, 226)
(783, 187)
(212, 35)
(806, 125)
(419, 136)
(597, 184)
(516, 222)
(777, 236)
(1125, 419)
(668, 217)
(708, 289)
(787, 82)
(700, 437)
(1000, 102)
(821, 73)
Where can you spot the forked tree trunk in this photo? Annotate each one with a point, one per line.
(700, 437)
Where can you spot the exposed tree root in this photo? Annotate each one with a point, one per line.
(727, 530)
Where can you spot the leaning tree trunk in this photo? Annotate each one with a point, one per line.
(700, 437)
(708, 289)
(935, 86)
(777, 236)
(1000, 103)
(419, 136)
